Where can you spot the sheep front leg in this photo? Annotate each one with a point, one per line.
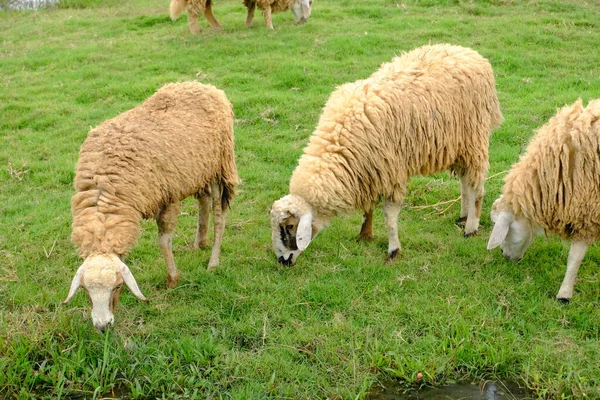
(268, 20)
(465, 199)
(210, 17)
(219, 223)
(391, 210)
(474, 198)
(166, 221)
(204, 201)
(576, 254)
(366, 230)
(251, 8)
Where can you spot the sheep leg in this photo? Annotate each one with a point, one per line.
(465, 197)
(251, 8)
(210, 17)
(268, 20)
(193, 22)
(219, 223)
(166, 221)
(391, 210)
(475, 198)
(576, 254)
(204, 202)
(366, 230)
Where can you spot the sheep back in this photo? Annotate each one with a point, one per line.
(196, 7)
(556, 182)
(276, 5)
(170, 147)
(429, 110)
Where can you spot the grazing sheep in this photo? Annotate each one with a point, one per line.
(429, 110)
(300, 8)
(554, 187)
(141, 164)
(194, 9)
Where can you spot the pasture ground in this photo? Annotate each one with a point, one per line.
(340, 321)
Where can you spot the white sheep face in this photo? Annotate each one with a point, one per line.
(513, 233)
(103, 276)
(291, 228)
(301, 10)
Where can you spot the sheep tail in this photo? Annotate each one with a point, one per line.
(229, 179)
(176, 8)
(227, 193)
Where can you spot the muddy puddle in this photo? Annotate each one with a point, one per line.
(488, 390)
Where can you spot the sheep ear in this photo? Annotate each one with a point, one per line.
(500, 230)
(75, 284)
(304, 231)
(131, 283)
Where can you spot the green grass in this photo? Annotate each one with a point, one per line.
(340, 320)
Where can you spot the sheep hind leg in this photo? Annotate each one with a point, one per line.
(250, 17)
(166, 221)
(576, 254)
(204, 203)
(391, 210)
(366, 230)
(219, 224)
(210, 17)
(475, 198)
(268, 19)
(193, 22)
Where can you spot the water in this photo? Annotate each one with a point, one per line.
(488, 390)
(26, 4)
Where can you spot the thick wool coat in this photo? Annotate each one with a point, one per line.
(429, 110)
(130, 167)
(556, 183)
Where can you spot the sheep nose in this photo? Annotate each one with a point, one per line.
(283, 261)
(510, 258)
(102, 327)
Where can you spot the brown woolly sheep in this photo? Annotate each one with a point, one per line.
(194, 9)
(141, 164)
(554, 187)
(429, 110)
(300, 8)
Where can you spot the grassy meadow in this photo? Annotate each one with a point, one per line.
(341, 321)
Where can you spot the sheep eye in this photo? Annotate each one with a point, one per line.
(289, 227)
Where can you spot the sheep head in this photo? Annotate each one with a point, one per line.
(292, 228)
(103, 276)
(514, 233)
(301, 10)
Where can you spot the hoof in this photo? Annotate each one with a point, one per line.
(392, 256)
(201, 245)
(172, 281)
(468, 235)
(461, 221)
(365, 238)
(563, 300)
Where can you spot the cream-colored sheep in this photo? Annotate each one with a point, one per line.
(194, 9)
(141, 164)
(429, 110)
(554, 187)
(300, 8)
